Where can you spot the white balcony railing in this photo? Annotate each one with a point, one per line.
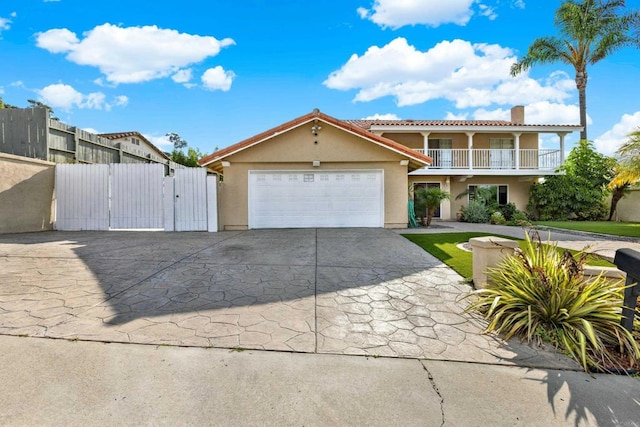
(498, 159)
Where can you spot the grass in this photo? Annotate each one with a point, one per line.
(629, 229)
(444, 247)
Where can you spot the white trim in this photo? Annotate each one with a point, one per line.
(476, 128)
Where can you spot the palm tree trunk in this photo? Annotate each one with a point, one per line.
(616, 195)
(581, 84)
(430, 213)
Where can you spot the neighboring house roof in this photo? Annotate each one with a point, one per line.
(458, 125)
(122, 135)
(416, 160)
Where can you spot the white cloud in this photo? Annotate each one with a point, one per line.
(121, 101)
(66, 97)
(398, 13)
(182, 76)
(5, 24)
(61, 96)
(470, 75)
(91, 130)
(57, 40)
(132, 54)
(377, 116)
(488, 11)
(519, 4)
(538, 113)
(161, 142)
(608, 142)
(456, 116)
(218, 79)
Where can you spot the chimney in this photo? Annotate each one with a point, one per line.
(517, 115)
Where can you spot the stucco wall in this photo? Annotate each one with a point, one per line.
(26, 194)
(518, 190)
(460, 140)
(296, 150)
(628, 209)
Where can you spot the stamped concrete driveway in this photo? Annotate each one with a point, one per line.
(349, 291)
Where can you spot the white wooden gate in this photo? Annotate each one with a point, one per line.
(191, 201)
(82, 197)
(134, 196)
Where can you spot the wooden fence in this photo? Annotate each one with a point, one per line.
(30, 132)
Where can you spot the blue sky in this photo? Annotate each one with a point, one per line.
(218, 72)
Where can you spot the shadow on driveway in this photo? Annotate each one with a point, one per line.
(350, 291)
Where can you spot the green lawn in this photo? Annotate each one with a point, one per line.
(444, 247)
(630, 229)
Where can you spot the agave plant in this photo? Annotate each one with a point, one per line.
(541, 292)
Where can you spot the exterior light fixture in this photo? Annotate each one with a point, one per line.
(315, 129)
(404, 162)
(226, 164)
(316, 163)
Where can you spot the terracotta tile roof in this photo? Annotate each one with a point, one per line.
(367, 124)
(418, 158)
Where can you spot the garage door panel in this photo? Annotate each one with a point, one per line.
(286, 199)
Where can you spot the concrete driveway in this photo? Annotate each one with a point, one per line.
(342, 291)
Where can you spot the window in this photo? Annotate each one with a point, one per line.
(498, 192)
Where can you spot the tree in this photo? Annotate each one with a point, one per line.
(190, 159)
(629, 163)
(590, 31)
(429, 199)
(577, 193)
(37, 104)
(627, 170)
(4, 105)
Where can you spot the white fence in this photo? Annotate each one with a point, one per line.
(134, 196)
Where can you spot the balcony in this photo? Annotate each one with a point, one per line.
(495, 159)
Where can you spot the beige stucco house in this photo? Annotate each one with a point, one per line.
(318, 171)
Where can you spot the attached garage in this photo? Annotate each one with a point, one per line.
(302, 199)
(314, 171)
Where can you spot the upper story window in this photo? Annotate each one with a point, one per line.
(135, 141)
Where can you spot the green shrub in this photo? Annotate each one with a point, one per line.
(539, 292)
(497, 218)
(508, 211)
(475, 211)
(519, 218)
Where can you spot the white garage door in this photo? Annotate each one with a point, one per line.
(297, 199)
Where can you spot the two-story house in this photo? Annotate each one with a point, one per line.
(318, 171)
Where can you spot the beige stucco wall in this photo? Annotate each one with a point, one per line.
(26, 194)
(518, 190)
(460, 140)
(628, 209)
(296, 150)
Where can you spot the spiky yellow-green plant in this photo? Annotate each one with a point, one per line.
(539, 291)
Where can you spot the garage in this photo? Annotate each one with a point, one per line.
(311, 172)
(299, 199)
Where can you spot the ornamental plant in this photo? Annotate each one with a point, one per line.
(539, 293)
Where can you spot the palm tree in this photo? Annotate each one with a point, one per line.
(591, 30)
(429, 199)
(627, 171)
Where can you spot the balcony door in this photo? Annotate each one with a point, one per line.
(501, 154)
(444, 157)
